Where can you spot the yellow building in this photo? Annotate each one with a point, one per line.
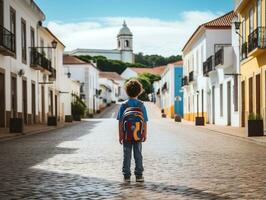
(252, 31)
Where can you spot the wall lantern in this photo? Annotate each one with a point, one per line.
(237, 25)
(54, 44)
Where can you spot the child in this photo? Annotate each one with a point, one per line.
(133, 89)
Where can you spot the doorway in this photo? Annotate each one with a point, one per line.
(229, 97)
(13, 96)
(55, 102)
(24, 101)
(258, 95)
(43, 104)
(1, 13)
(33, 103)
(213, 104)
(3, 101)
(243, 103)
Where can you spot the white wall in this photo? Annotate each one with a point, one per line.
(128, 73)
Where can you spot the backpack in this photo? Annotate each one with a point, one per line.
(133, 122)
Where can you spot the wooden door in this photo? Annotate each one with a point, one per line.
(2, 102)
(213, 104)
(13, 96)
(43, 104)
(55, 103)
(1, 13)
(24, 101)
(229, 103)
(33, 103)
(258, 95)
(250, 94)
(243, 92)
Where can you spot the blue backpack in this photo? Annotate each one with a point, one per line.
(133, 122)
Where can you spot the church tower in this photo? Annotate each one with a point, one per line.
(125, 44)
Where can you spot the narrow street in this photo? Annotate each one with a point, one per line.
(84, 162)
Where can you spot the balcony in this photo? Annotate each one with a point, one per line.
(223, 58)
(257, 42)
(7, 42)
(184, 81)
(191, 76)
(39, 62)
(52, 76)
(208, 66)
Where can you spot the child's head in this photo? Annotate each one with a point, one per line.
(133, 88)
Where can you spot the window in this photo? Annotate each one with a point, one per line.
(244, 29)
(32, 37)
(259, 16)
(221, 99)
(13, 23)
(1, 12)
(251, 20)
(42, 45)
(126, 43)
(119, 43)
(23, 41)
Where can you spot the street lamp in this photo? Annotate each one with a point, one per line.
(54, 44)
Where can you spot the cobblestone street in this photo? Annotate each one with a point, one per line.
(84, 162)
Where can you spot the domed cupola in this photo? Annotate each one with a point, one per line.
(125, 39)
(124, 31)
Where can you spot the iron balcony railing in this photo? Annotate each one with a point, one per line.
(7, 39)
(257, 39)
(184, 81)
(191, 76)
(38, 59)
(219, 57)
(208, 66)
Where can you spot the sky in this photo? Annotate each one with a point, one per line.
(159, 26)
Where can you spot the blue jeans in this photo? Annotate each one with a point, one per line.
(127, 148)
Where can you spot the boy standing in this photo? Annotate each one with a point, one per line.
(133, 89)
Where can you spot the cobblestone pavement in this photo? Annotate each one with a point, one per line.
(84, 162)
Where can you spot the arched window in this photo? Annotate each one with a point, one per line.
(119, 43)
(126, 43)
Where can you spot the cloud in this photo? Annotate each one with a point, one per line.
(151, 35)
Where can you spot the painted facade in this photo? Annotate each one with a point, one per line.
(252, 16)
(169, 95)
(209, 58)
(88, 76)
(29, 75)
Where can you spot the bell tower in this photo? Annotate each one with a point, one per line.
(125, 39)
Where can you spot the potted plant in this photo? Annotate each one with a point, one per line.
(68, 118)
(178, 118)
(199, 121)
(16, 125)
(163, 114)
(52, 121)
(255, 125)
(78, 108)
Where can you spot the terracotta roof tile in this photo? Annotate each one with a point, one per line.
(72, 60)
(110, 75)
(156, 70)
(223, 22)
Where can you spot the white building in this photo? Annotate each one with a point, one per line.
(88, 76)
(29, 71)
(208, 58)
(115, 83)
(168, 90)
(123, 52)
(132, 72)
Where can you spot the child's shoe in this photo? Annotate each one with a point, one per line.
(139, 179)
(127, 179)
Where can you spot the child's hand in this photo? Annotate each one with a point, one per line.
(144, 138)
(121, 140)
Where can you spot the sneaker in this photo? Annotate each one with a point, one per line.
(139, 179)
(127, 179)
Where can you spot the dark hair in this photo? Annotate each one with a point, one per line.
(133, 88)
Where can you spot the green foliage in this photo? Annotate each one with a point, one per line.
(156, 60)
(107, 65)
(253, 116)
(146, 80)
(78, 107)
